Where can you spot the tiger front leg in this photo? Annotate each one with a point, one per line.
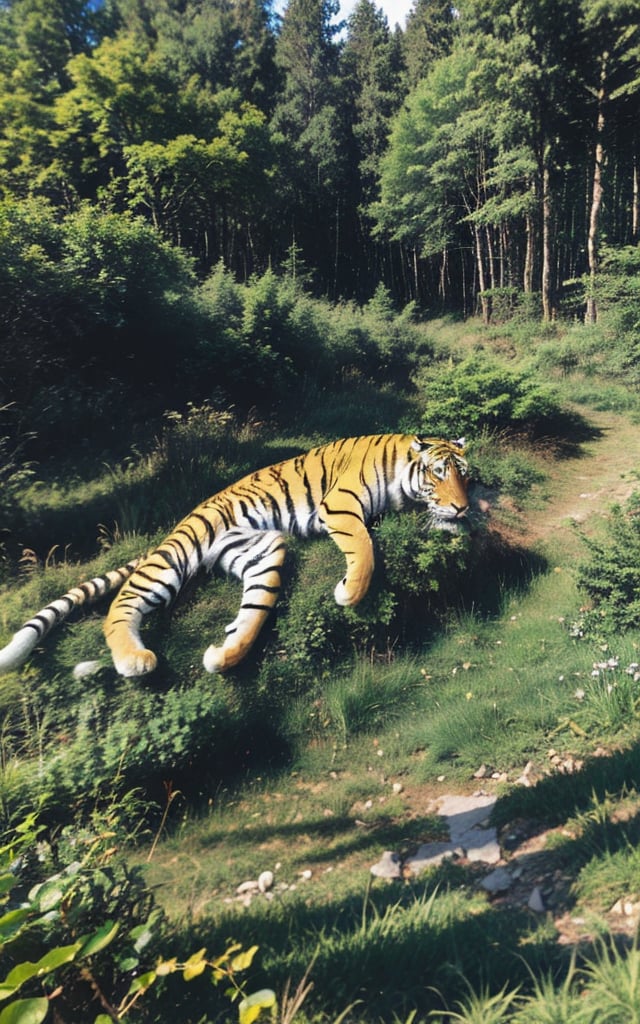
(350, 534)
(256, 558)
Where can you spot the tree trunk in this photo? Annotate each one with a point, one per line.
(636, 201)
(546, 286)
(527, 282)
(485, 302)
(591, 314)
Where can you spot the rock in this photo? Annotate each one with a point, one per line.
(246, 887)
(397, 788)
(624, 907)
(469, 833)
(85, 669)
(467, 820)
(429, 855)
(481, 772)
(265, 881)
(536, 902)
(388, 866)
(497, 881)
(306, 874)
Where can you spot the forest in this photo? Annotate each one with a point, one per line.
(231, 231)
(482, 159)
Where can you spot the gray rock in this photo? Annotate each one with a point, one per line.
(265, 881)
(430, 855)
(388, 866)
(536, 902)
(497, 881)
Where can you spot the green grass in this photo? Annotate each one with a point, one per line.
(331, 743)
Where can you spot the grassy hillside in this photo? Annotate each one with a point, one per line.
(503, 660)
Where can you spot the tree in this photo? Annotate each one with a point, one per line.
(308, 116)
(612, 76)
(37, 39)
(429, 33)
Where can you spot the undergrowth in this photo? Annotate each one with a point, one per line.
(473, 654)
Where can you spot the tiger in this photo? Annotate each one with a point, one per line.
(336, 490)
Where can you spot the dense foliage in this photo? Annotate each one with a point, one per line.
(491, 143)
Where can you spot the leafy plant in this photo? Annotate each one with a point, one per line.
(85, 928)
(610, 574)
(480, 392)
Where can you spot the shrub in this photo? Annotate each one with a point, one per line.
(81, 934)
(480, 393)
(610, 574)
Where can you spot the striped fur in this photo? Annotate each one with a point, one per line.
(335, 490)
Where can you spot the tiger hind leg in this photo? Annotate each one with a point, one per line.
(255, 558)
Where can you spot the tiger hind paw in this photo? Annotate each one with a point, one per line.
(214, 659)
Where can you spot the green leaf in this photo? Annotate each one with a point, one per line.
(195, 965)
(252, 1006)
(28, 969)
(7, 882)
(94, 943)
(11, 921)
(244, 960)
(48, 895)
(25, 1011)
(142, 983)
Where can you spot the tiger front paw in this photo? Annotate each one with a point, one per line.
(137, 663)
(346, 597)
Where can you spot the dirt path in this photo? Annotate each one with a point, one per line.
(584, 487)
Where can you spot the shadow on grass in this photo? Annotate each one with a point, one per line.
(392, 949)
(554, 799)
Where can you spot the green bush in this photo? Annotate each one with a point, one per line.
(610, 574)
(480, 393)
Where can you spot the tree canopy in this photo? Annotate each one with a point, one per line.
(485, 146)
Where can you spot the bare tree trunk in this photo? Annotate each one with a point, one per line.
(492, 258)
(527, 282)
(591, 314)
(485, 302)
(442, 283)
(546, 287)
(635, 209)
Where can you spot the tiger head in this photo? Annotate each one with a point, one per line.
(439, 478)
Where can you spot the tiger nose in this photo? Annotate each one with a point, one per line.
(460, 510)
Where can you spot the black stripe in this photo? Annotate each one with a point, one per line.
(341, 512)
(255, 607)
(262, 586)
(347, 490)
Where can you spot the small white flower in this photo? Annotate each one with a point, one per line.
(579, 693)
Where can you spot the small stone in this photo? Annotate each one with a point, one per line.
(85, 669)
(388, 866)
(497, 881)
(535, 901)
(306, 874)
(481, 772)
(265, 881)
(245, 887)
(623, 907)
(397, 788)
(441, 778)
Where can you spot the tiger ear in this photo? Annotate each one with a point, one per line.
(461, 443)
(420, 444)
